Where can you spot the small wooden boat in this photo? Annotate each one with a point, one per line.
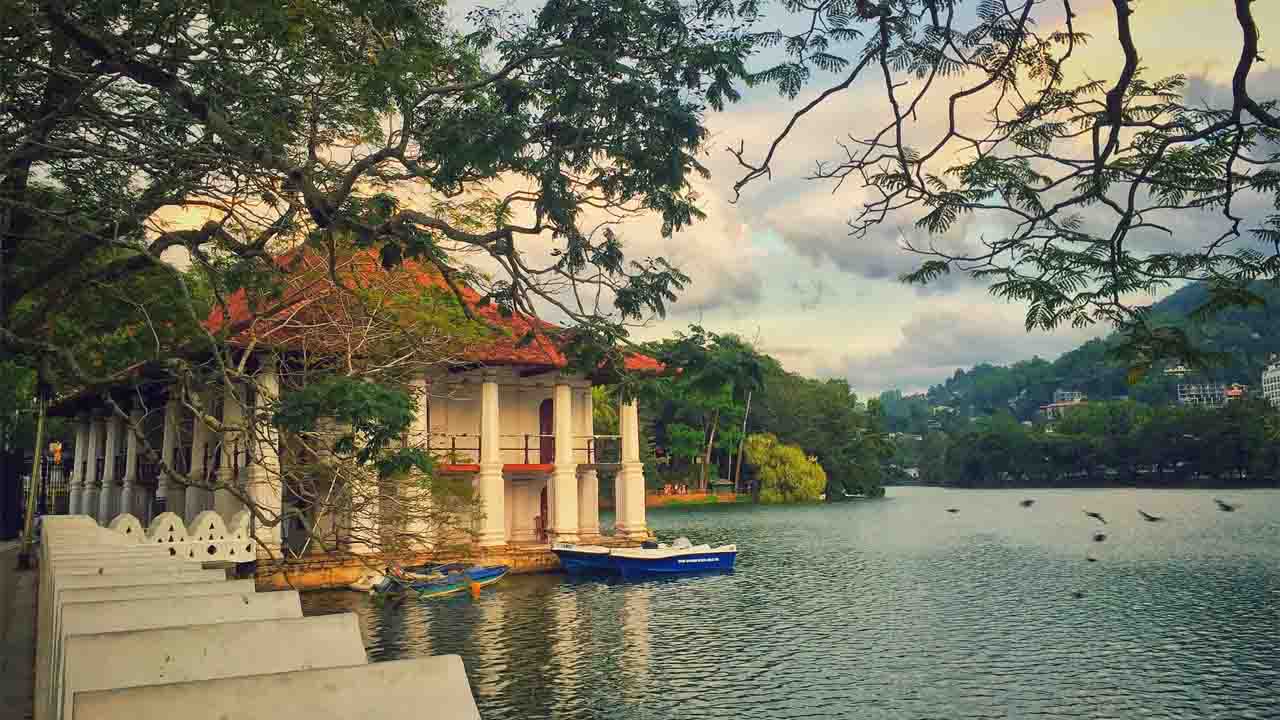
(584, 559)
(446, 584)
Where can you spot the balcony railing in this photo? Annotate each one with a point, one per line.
(531, 448)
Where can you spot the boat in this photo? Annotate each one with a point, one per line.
(583, 559)
(680, 558)
(439, 585)
(651, 558)
(370, 579)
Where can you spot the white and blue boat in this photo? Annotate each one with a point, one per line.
(583, 559)
(681, 557)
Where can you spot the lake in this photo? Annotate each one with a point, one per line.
(891, 608)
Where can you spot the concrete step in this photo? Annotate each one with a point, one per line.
(206, 652)
(84, 618)
(433, 687)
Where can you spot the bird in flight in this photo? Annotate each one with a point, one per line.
(953, 511)
(1226, 506)
(1149, 517)
(1096, 516)
(1099, 537)
(1027, 503)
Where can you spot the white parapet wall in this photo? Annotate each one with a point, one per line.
(130, 624)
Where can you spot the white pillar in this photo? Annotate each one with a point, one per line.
(197, 487)
(130, 496)
(588, 480)
(225, 501)
(489, 481)
(89, 501)
(630, 480)
(415, 495)
(171, 494)
(262, 476)
(77, 467)
(564, 478)
(109, 498)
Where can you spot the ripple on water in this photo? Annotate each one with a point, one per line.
(890, 609)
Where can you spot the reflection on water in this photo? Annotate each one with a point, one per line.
(890, 609)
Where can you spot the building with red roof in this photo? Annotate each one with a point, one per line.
(508, 412)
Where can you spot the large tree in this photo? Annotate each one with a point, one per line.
(137, 135)
(1083, 177)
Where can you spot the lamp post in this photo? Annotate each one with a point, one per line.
(33, 490)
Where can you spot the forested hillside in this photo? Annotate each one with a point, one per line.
(1241, 338)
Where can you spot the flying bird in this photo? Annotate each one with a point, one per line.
(1096, 516)
(1077, 595)
(953, 511)
(1099, 537)
(1027, 503)
(1225, 506)
(1149, 517)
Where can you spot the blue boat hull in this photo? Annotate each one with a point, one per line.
(576, 563)
(678, 565)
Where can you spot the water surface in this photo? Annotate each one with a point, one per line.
(891, 609)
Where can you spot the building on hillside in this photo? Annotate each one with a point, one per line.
(1271, 381)
(1057, 409)
(1068, 396)
(509, 417)
(1210, 394)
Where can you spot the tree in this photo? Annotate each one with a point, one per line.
(1077, 177)
(784, 473)
(702, 406)
(825, 418)
(228, 134)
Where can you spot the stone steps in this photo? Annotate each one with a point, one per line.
(128, 629)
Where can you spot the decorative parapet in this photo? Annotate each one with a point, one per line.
(207, 539)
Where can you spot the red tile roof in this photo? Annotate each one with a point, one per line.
(309, 286)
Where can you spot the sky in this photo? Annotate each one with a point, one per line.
(779, 268)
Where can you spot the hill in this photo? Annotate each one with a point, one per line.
(1246, 337)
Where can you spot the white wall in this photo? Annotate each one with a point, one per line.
(455, 410)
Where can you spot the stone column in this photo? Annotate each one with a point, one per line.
(489, 481)
(92, 490)
(109, 498)
(588, 481)
(564, 478)
(171, 494)
(76, 484)
(225, 501)
(197, 488)
(417, 497)
(630, 481)
(130, 496)
(262, 476)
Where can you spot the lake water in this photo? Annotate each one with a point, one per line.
(891, 609)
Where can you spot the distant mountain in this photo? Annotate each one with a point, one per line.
(1246, 337)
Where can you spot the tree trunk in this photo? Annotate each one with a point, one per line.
(737, 472)
(706, 456)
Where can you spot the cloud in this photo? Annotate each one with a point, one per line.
(937, 342)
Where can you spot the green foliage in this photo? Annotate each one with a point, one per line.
(786, 475)
(1115, 443)
(371, 418)
(825, 418)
